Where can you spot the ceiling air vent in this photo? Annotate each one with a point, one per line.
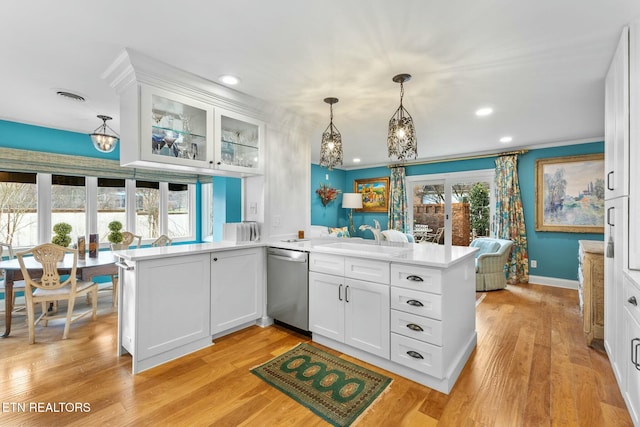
(69, 95)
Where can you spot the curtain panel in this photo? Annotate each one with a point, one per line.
(398, 201)
(509, 218)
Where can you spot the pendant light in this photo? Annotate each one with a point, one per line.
(401, 141)
(331, 146)
(103, 141)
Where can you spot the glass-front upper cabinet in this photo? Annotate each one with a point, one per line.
(239, 145)
(175, 129)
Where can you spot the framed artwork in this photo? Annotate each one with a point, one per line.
(375, 194)
(570, 194)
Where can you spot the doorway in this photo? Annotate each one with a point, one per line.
(452, 208)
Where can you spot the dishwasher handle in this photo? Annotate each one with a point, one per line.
(288, 259)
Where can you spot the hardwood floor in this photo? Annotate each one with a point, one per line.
(531, 368)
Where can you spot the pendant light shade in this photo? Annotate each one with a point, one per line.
(103, 141)
(401, 141)
(331, 146)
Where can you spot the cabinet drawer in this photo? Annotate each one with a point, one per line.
(420, 303)
(631, 291)
(417, 327)
(423, 357)
(364, 269)
(416, 277)
(330, 264)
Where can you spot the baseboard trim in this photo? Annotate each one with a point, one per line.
(554, 282)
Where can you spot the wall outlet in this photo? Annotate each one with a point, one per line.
(534, 263)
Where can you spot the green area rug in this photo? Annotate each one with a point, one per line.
(335, 389)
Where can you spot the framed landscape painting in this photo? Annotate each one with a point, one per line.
(570, 194)
(375, 194)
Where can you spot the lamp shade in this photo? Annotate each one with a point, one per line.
(352, 200)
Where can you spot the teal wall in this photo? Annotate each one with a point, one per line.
(331, 215)
(556, 253)
(36, 138)
(227, 203)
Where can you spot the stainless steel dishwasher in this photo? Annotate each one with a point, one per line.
(288, 287)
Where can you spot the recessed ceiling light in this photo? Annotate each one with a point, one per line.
(230, 80)
(506, 139)
(484, 111)
(356, 160)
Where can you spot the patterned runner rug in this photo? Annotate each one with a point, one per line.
(335, 389)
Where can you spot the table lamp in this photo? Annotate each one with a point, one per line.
(351, 201)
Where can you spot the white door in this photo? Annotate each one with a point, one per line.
(326, 305)
(236, 291)
(367, 316)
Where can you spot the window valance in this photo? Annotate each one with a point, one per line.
(14, 160)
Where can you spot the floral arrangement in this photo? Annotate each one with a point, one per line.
(327, 193)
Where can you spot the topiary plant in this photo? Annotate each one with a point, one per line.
(62, 238)
(115, 236)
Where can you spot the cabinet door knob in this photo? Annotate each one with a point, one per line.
(415, 303)
(215, 259)
(415, 354)
(415, 327)
(633, 301)
(415, 278)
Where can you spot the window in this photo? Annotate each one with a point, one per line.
(147, 209)
(68, 203)
(111, 203)
(178, 209)
(18, 209)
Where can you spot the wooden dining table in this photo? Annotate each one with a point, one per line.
(86, 269)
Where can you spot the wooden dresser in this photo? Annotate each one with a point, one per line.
(591, 288)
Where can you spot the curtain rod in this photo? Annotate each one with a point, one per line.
(455, 159)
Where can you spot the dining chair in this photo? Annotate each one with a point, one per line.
(52, 287)
(6, 250)
(163, 240)
(128, 238)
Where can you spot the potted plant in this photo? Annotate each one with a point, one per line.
(115, 236)
(61, 238)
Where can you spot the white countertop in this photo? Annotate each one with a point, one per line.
(427, 254)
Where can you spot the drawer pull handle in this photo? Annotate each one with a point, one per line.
(609, 187)
(340, 292)
(634, 352)
(415, 354)
(415, 278)
(633, 301)
(415, 327)
(415, 303)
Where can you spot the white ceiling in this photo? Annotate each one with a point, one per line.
(540, 64)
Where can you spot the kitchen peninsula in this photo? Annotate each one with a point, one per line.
(407, 308)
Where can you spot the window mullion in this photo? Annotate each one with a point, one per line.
(44, 207)
(91, 188)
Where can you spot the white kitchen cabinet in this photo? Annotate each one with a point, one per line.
(617, 122)
(166, 129)
(239, 143)
(326, 305)
(236, 288)
(367, 316)
(622, 230)
(164, 308)
(631, 347)
(354, 312)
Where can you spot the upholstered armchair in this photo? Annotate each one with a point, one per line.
(491, 257)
